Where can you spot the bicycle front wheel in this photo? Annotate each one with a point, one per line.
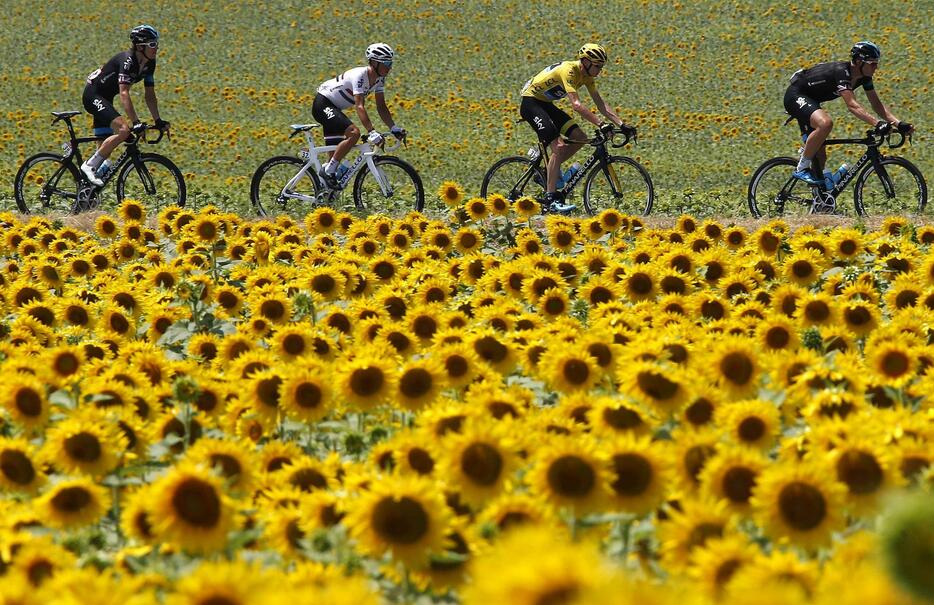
(895, 186)
(395, 190)
(514, 177)
(46, 183)
(271, 193)
(153, 180)
(622, 184)
(774, 192)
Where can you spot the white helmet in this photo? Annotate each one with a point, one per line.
(379, 52)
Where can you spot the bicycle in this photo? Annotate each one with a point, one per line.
(612, 181)
(380, 180)
(898, 184)
(49, 181)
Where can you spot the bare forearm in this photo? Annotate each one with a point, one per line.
(153, 104)
(384, 114)
(364, 117)
(128, 107)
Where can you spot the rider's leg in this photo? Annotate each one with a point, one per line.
(562, 150)
(121, 134)
(822, 124)
(351, 136)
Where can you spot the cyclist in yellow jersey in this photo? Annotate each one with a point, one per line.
(554, 83)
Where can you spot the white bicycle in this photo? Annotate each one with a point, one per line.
(289, 184)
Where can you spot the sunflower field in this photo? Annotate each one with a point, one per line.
(703, 81)
(202, 409)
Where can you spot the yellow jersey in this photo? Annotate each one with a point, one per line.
(556, 81)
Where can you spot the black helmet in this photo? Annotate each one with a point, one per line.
(865, 51)
(143, 33)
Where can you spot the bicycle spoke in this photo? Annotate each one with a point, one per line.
(891, 188)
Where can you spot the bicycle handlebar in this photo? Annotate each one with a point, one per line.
(600, 139)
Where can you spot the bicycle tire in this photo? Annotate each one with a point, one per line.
(145, 188)
(518, 185)
(407, 191)
(614, 197)
(266, 198)
(889, 188)
(70, 193)
(761, 191)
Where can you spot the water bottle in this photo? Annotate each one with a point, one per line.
(104, 169)
(832, 179)
(532, 153)
(568, 174)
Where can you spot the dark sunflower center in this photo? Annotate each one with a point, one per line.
(633, 474)
(738, 483)
(71, 499)
(860, 471)
(400, 520)
(656, 385)
(228, 466)
(197, 503)
(737, 368)
(571, 477)
(482, 463)
(622, 418)
(802, 505)
(751, 429)
(308, 479)
(695, 459)
(366, 382)
(17, 467)
(415, 383)
(83, 447)
(576, 371)
(28, 402)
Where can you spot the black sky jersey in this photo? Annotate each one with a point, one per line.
(123, 68)
(825, 81)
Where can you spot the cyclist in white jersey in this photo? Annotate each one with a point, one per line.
(351, 89)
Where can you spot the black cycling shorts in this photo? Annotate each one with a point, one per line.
(102, 109)
(333, 120)
(548, 120)
(800, 106)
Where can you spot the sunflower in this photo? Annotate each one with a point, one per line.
(305, 395)
(136, 516)
(20, 470)
(776, 333)
(493, 349)
(526, 207)
(451, 193)
(419, 382)
(73, 503)
(517, 509)
(479, 460)
(731, 475)
(689, 527)
(306, 474)
(37, 562)
(404, 515)
(569, 369)
(570, 472)
(860, 318)
(715, 564)
(190, 509)
(85, 442)
(693, 448)
(235, 582)
(24, 398)
(639, 473)
(799, 501)
(661, 386)
(366, 380)
(734, 365)
(752, 423)
(551, 571)
(614, 415)
(234, 461)
(868, 470)
(892, 363)
(804, 267)
(781, 578)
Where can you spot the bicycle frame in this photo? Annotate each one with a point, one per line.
(365, 154)
(598, 157)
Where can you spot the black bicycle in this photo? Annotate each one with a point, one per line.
(888, 185)
(610, 181)
(52, 181)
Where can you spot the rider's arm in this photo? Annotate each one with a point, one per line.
(855, 108)
(152, 103)
(603, 108)
(361, 112)
(128, 104)
(582, 109)
(879, 107)
(383, 109)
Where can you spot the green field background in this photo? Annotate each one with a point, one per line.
(703, 81)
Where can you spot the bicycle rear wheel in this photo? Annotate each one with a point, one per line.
(45, 183)
(268, 191)
(623, 184)
(514, 177)
(153, 180)
(896, 186)
(397, 191)
(774, 192)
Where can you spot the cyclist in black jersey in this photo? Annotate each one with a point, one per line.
(825, 82)
(115, 77)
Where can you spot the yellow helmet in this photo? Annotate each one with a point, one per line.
(594, 52)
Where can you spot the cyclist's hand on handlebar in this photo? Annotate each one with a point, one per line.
(138, 127)
(398, 132)
(882, 128)
(905, 128)
(164, 126)
(374, 138)
(626, 129)
(606, 129)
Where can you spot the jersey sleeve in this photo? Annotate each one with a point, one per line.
(842, 77)
(380, 85)
(868, 85)
(359, 84)
(567, 80)
(125, 70)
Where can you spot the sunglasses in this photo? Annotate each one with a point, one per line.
(387, 64)
(149, 44)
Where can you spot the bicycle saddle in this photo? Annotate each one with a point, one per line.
(64, 115)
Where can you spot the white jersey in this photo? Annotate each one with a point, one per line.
(341, 90)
